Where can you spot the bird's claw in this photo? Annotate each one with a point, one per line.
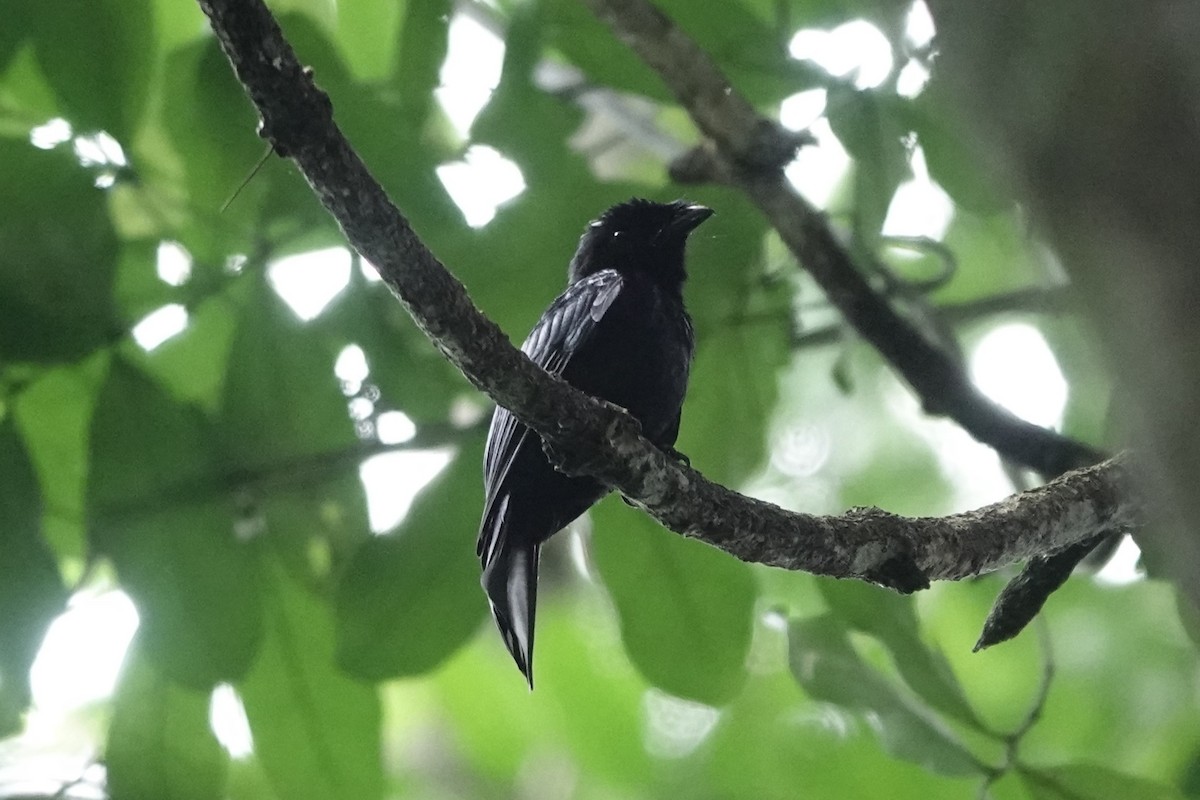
(678, 456)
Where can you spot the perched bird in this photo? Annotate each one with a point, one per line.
(619, 332)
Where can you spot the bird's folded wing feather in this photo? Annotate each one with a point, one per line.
(565, 327)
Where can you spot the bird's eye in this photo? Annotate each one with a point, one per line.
(616, 234)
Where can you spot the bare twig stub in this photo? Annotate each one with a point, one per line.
(597, 438)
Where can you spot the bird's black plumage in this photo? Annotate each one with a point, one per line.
(618, 332)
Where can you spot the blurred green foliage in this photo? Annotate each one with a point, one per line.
(214, 478)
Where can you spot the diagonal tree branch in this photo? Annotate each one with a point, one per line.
(750, 152)
(1104, 151)
(590, 436)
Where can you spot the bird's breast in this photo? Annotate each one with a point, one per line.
(639, 359)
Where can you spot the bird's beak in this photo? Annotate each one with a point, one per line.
(690, 218)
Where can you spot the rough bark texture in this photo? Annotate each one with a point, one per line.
(593, 437)
(1092, 110)
(750, 152)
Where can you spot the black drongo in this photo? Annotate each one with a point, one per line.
(619, 332)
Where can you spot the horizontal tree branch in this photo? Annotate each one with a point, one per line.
(597, 438)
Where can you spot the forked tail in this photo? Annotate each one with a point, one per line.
(510, 581)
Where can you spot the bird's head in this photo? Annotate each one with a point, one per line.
(639, 236)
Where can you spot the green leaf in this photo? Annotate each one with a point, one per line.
(309, 36)
(1092, 782)
(192, 365)
(53, 414)
(176, 23)
(159, 742)
(419, 57)
(733, 387)
(366, 35)
(532, 128)
(578, 664)
(24, 89)
(195, 588)
(793, 15)
(57, 258)
(1087, 413)
(573, 30)
(137, 288)
(316, 526)
(155, 508)
(31, 591)
(388, 127)
(146, 448)
(282, 401)
(994, 255)
(316, 731)
(15, 30)
(740, 350)
(391, 131)
(943, 137)
(249, 781)
(314, 13)
(574, 667)
(871, 130)
(210, 124)
(892, 619)
(686, 609)
(774, 744)
(1189, 782)
(410, 373)
(828, 668)
(753, 53)
(285, 428)
(1189, 618)
(98, 56)
(525, 122)
(411, 598)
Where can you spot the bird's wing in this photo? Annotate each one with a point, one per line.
(563, 329)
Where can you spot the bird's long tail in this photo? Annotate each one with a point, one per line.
(510, 581)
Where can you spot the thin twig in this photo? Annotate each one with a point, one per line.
(1012, 739)
(1038, 706)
